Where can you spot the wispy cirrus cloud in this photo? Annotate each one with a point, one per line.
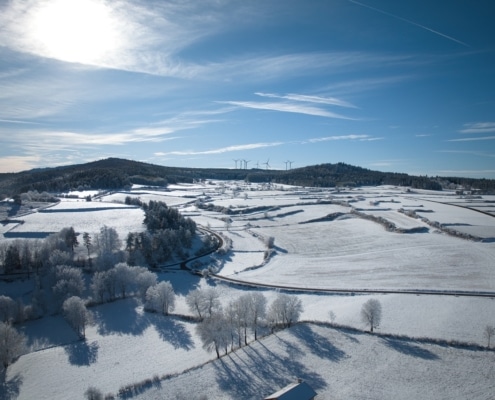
(309, 99)
(287, 107)
(478, 127)
(221, 150)
(469, 152)
(362, 138)
(473, 139)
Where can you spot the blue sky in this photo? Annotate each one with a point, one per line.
(402, 86)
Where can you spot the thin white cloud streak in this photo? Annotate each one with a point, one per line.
(473, 153)
(472, 139)
(228, 149)
(286, 107)
(343, 137)
(479, 127)
(410, 22)
(310, 99)
(11, 121)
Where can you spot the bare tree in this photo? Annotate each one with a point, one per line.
(203, 302)
(77, 315)
(161, 297)
(93, 393)
(285, 310)
(488, 333)
(256, 304)
(371, 313)
(214, 332)
(12, 344)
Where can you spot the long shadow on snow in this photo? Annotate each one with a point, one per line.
(410, 349)
(120, 317)
(82, 353)
(316, 343)
(254, 371)
(172, 330)
(9, 390)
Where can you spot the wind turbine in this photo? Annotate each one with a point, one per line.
(236, 160)
(257, 165)
(286, 162)
(267, 163)
(246, 163)
(290, 164)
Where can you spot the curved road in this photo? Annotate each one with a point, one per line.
(456, 293)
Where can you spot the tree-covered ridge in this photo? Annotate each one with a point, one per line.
(114, 173)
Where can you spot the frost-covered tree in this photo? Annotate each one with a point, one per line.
(76, 314)
(214, 333)
(285, 310)
(7, 309)
(144, 280)
(59, 257)
(69, 282)
(108, 240)
(256, 303)
(124, 278)
(12, 344)
(12, 261)
(88, 242)
(488, 333)
(371, 313)
(161, 297)
(203, 302)
(70, 238)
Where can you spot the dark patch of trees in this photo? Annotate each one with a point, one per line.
(168, 234)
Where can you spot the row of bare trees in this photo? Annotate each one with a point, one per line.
(221, 328)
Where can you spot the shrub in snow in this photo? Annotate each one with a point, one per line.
(7, 309)
(93, 393)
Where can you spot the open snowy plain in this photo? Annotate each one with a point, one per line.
(374, 242)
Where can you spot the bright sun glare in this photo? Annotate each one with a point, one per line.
(81, 31)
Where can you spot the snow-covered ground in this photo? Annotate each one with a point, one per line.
(317, 245)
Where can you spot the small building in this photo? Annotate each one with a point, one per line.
(295, 391)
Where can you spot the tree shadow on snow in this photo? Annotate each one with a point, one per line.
(171, 330)
(410, 349)
(120, 317)
(255, 370)
(9, 390)
(82, 353)
(316, 343)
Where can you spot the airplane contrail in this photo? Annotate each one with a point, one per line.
(409, 22)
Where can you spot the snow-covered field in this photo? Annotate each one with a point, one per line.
(319, 243)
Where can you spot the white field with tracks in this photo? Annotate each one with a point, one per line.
(312, 250)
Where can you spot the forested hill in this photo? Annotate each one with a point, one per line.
(115, 173)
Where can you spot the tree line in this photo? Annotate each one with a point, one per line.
(114, 173)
